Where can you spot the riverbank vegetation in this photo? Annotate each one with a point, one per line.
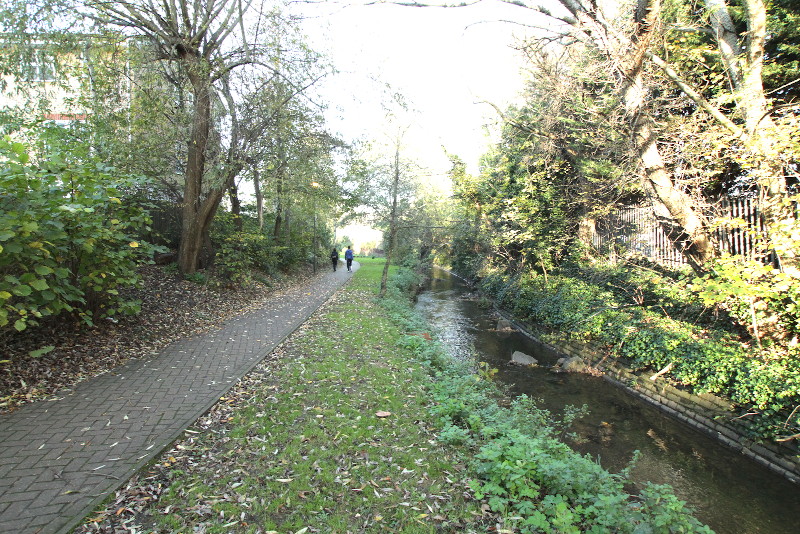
(703, 353)
(340, 430)
(609, 128)
(672, 107)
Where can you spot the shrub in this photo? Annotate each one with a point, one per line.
(760, 297)
(242, 253)
(68, 243)
(521, 468)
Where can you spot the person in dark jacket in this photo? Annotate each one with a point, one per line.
(348, 255)
(334, 258)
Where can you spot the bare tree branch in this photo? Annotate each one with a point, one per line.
(694, 95)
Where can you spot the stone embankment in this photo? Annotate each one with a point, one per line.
(708, 413)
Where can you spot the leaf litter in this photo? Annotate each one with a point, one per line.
(299, 442)
(172, 308)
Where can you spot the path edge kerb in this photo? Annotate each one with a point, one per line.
(171, 438)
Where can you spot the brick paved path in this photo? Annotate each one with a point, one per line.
(59, 459)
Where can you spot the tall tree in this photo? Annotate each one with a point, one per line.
(629, 41)
(561, 160)
(625, 49)
(764, 138)
(208, 40)
(392, 241)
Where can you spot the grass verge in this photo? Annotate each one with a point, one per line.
(301, 444)
(360, 424)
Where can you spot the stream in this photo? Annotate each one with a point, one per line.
(726, 490)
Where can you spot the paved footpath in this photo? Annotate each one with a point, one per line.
(59, 459)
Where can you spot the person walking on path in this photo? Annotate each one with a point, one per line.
(334, 258)
(348, 255)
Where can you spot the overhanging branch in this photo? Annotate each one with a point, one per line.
(696, 97)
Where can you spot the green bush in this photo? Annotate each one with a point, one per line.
(707, 360)
(241, 253)
(521, 469)
(68, 243)
(525, 471)
(559, 302)
(759, 296)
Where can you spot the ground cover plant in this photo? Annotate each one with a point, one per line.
(331, 434)
(520, 466)
(341, 430)
(653, 323)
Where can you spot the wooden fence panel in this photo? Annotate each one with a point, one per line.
(166, 226)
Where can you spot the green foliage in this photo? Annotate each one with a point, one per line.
(637, 326)
(522, 470)
(405, 280)
(555, 166)
(196, 278)
(559, 166)
(68, 243)
(526, 472)
(760, 296)
(243, 253)
(766, 300)
(695, 54)
(782, 67)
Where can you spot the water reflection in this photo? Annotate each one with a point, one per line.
(729, 492)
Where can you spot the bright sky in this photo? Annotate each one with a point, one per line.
(444, 61)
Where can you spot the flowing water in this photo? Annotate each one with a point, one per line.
(727, 491)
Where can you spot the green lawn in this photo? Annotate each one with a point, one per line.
(300, 443)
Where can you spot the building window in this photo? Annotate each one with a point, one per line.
(40, 67)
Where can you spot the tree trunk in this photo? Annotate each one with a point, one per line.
(279, 184)
(392, 224)
(193, 223)
(198, 214)
(191, 243)
(727, 40)
(236, 206)
(276, 227)
(211, 205)
(744, 67)
(259, 199)
(761, 129)
(685, 227)
(208, 40)
(587, 229)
